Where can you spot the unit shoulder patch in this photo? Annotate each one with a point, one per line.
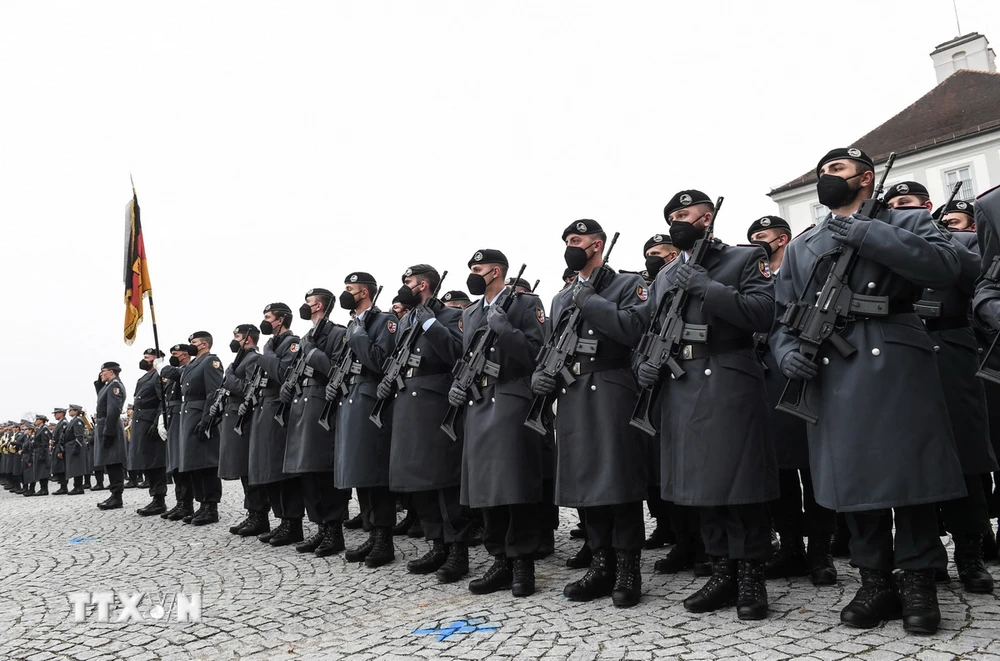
(765, 267)
(642, 292)
(391, 326)
(540, 314)
(294, 347)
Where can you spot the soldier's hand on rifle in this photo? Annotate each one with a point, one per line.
(456, 396)
(199, 429)
(647, 375)
(422, 313)
(693, 278)
(355, 328)
(214, 410)
(286, 394)
(496, 319)
(582, 291)
(542, 383)
(242, 411)
(797, 367)
(384, 390)
(841, 227)
(989, 312)
(330, 393)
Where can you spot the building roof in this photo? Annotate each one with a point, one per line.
(964, 104)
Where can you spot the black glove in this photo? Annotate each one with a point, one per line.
(542, 383)
(647, 375)
(215, 410)
(384, 390)
(693, 278)
(456, 396)
(496, 319)
(242, 411)
(331, 392)
(421, 314)
(199, 430)
(582, 291)
(841, 227)
(989, 313)
(797, 367)
(286, 393)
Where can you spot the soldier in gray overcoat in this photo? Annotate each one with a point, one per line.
(309, 450)
(170, 377)
(878, 447)
(41, 455)
(267, 437)
(109, 433)
(75, 448)
(423, 460)
(361, 448)
(149, 451)
(23, 440)
(58, 451)
(234, 449)
(502, 459)
(199, 440)
(722, 464)
(601, 460)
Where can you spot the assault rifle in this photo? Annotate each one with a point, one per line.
(816, 321)
(251, 397)
(951, 198)
(472, 366)
(560, 351)
(392, 372)
(663, 348)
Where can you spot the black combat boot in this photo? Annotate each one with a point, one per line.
(358, 554)
(310, 545)
(354, 523)
(969, 561)
(156, 506)
(86, 483)
(189, 517)
(431, 561)
(456, 567)
(498, 577)
(184, 511)
(546, 544)
(790, 560)
(210, 514)
(235, 528)
(76, 491)
(282, 529)
(918, 593)
(43, 487)
(30, 491)
(599, 580)
(61, 491)
(170, 512)
(751, 598)
(580, 532)
(677, 560)
(720, 591)
(403, 527)
(583, 558)
(523, 583)
(144, 484)
(661, 536)
(131, 483)
(382, 552)
(291, 535)
(416, 530)
(628, 579)
(990, 549)
(258, 523)
(99, 486)
(877, 600)
(820, 561)
(114, 502)
(333, 540)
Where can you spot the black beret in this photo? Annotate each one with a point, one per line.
(455, 295)
(111, 365)
(360, 278)
(42, 417)
(520, 282)
(129, 406)
(418, 269)
(959, 206)
(905, 188)
(488, 256)
(75, 407)
(153, 352)
(319, 291)
(58, 410)
(568, 273)
(278, 309)
(584, 226)
(395, 299)
(684, 199)
(199, 335)
(657, 240)
(186, 348)
(243, 329)
(768, 223)
(850, 153)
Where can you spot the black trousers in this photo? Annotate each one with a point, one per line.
(686, 524)
(324, 502)
(737, 532)
(378, 507)
(254, 496)
(60, 478)
(206, 485)
(99, 476)
(77, 482)
(135, 476)
(444, 518)
(116, 478)
(285, 497)
(620, 526)
(970, 514)
(658, 508)
(548, 511)
(183, 487)
(990, 486)
(916, 544)
(512, 530)
(796, 514)
(157, 478)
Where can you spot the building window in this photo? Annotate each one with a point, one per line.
(960, 60)
(967, 191)
(819, 213)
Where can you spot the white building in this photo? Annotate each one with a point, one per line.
(950, 134)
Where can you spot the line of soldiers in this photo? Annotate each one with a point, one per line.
(33, 452)
(483, 417)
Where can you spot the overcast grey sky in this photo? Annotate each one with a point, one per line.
(278, 146)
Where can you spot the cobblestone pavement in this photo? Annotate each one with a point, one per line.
(266, 603)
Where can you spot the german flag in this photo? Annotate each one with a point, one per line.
(137, 284)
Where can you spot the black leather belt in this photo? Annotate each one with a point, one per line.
(692, 351)
(414, 372)
(188, 399)
(362, 378)
(582, 367)
(311, 381)
(154, 407)
(865, 307)
(946, 323)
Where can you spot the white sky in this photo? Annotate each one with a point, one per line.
(278, 146)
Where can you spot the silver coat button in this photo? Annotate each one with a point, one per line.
(590, 332)
(350, 401)
(414, 393)
(564, 391)
(871, 285)
(593, 387)
(826, 361)
(876, 351)
(937, 348)
(493, 399)
(708, 372)
(470, 402)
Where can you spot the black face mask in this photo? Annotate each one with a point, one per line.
(407, 297)
(684, 235)
(266, 327)
(834, 192)
(477, 284)
(576, 257)
(766, 245)
(654, 263)
(174, 361)
(347, 301)
(305, 311)
(235, 346)
(144, 365)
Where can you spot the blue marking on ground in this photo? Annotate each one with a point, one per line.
(471, 625)
(77, 540)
